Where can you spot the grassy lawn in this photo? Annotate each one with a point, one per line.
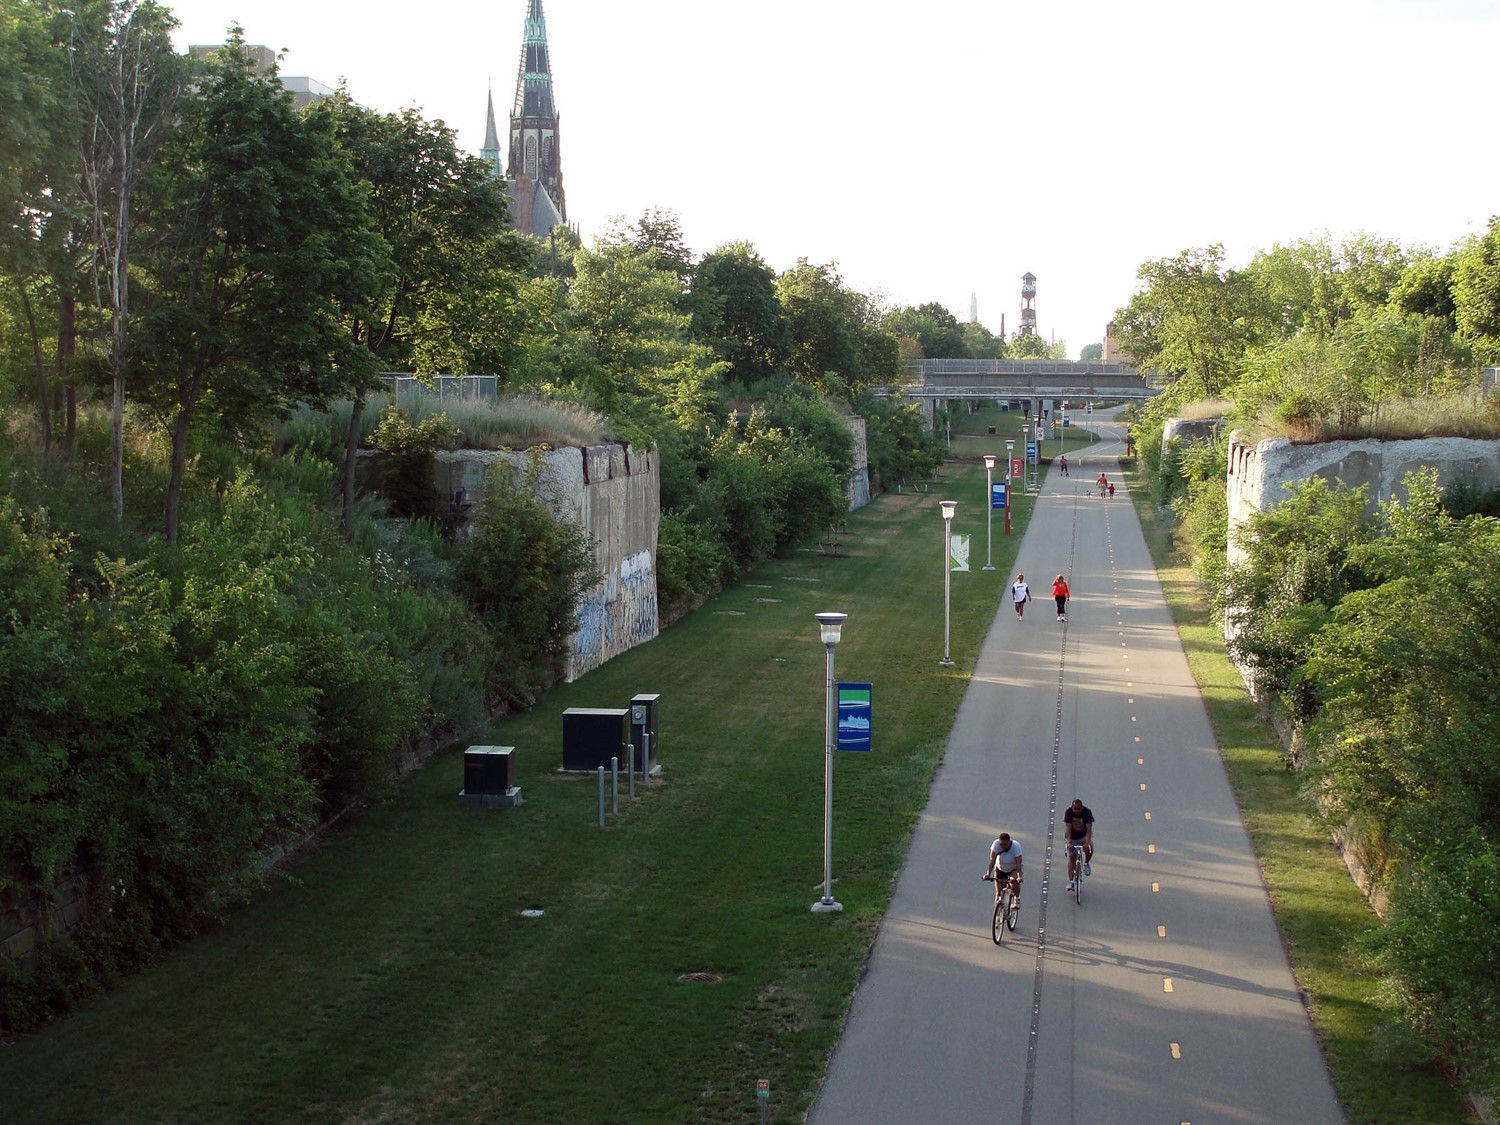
(1323, 916)
(391, 975)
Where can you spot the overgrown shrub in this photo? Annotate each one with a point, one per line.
(523, 571)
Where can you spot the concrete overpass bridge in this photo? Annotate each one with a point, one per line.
(935, 379)
(1041, 384)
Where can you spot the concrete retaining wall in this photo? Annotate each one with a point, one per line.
(613, 492)
(1259, 473)
(859, 474)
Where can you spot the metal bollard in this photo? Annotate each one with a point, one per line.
(630, 767)
(601, 796)
(646, 758)
(614, 786)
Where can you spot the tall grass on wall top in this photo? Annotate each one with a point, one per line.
(513, 422)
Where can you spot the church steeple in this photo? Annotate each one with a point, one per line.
(490, 153)
(534, 167)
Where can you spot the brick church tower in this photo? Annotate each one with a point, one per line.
(534, 167)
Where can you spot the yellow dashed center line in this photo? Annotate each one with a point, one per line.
(1166, 984)
(1161, 931)
(1156, 888)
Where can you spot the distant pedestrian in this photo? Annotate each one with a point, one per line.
(1103, 483)
(1060, 595)
(1062, 463)
(1020, 593)
(1111, 490)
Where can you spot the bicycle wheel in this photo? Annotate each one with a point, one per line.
(1078, 883)
(1013, 908)
(997, 924)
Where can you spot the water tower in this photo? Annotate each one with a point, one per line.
(1028, 305)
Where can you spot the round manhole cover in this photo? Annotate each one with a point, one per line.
(532, 912)
(700, 978)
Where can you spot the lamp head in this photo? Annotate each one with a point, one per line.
(830, 625)
(949, 507)
(989, 460)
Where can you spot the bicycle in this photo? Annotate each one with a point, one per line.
(1080, 869)
(1007, 905)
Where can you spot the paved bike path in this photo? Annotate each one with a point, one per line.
(1166, 996)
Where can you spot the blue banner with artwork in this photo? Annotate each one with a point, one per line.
(854, 716)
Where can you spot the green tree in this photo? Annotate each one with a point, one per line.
(1476, 293)
(1296, 563)
(1192, 321)
(450, 301)
(262, 246)
(736, 311)
(1091, 353)
(131, 84)
(660, 232)
(523, 571)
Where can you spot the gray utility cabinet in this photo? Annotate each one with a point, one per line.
(645, 715)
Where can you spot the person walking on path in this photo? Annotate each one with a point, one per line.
(1021, 594)
(1103, 483)
(1060, 594)
(1111, 490)
(1062, 463)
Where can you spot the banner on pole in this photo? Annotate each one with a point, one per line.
(854, 717)
(958, 553)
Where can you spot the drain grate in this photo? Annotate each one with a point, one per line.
(700, 978)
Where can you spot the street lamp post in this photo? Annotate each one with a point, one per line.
(1062, 430)
(949, 507)
(989, 505)
(1010, 450)
(830, 625)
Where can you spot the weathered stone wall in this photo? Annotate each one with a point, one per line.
(1259, 473)
(859, 474)
(26, 920)
(613, 492)
(1189, 429)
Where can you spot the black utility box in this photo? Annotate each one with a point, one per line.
(592, 736)
(489, 769)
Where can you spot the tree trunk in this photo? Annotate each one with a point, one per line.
(351, 449)
(44, 404)
(67, 335)
(187, 404)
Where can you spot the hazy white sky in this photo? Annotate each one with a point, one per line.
(939, 150)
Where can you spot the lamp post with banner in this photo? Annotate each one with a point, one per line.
(1010, 465)
(829, 625)
(949, 507)
(989, 511)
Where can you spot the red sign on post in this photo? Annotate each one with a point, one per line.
(1016, 467)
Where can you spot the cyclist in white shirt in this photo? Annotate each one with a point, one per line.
(1005, 859)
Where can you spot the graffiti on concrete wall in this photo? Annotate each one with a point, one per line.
(616, 615)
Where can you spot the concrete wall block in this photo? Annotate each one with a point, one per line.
(613, 493)
(22, 942)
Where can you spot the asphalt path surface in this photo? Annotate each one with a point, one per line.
(1166, 996)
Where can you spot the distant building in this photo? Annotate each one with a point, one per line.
(534, 165)
(1111, 344)
(304, 91)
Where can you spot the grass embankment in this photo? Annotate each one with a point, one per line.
(1323, 916)
(391, 975)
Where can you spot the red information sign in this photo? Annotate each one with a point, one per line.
(1017, 466)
